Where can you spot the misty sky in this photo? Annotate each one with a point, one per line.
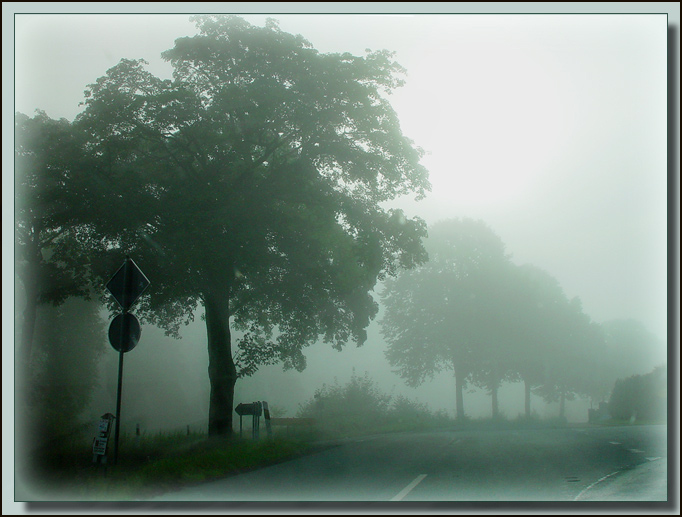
(550, 128)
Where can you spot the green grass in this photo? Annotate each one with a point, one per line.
(152, 465)
(149, 465)
(617, 422)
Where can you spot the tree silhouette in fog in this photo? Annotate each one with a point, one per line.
(252, 185)
(441, 314)
(470, 309)
(49, 211)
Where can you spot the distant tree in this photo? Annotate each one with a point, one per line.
(537, 327)
(49, 262)
(575, 363)
(631, 348)
(252, 185)
(619, 349)
(439, 315)
(493, 307)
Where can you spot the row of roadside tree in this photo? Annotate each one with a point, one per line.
(472, 310)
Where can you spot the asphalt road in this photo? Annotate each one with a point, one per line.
(559, 464)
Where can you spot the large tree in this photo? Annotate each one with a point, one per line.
(48, 200)
(252, 185)
(69, 341)
(441, 314)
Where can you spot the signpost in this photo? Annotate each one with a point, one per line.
(99, 444)
(126, 286)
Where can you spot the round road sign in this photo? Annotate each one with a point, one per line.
(124, 332)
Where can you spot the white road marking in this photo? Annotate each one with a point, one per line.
(653, 459)
(615, 443)
(409, 487)
(636, 451)
(595, 483)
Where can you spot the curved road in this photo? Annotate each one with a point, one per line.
(557, 464)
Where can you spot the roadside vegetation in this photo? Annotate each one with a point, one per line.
(150, 465)
(640, 397)
(360, 407)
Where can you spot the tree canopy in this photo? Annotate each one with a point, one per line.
(252, 185)
(48, 199)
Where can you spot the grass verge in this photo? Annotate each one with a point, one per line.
(151, 467)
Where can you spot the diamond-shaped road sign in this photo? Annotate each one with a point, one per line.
(127, 284)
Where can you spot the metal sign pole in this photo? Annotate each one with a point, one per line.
(118, 404)
(125, 331)
(127, 284)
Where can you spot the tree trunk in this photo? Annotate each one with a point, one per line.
(496, 409)
(494, 385)
(526, 388)
(562, 404)
(28, 327)
(222, 372)
(459, 389)
(30, 280)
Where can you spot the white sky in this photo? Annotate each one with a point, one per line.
(551, 128)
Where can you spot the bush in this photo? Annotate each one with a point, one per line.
(640, 397)
(360, 407)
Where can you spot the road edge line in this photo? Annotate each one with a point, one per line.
(409, 487)
(597, 482)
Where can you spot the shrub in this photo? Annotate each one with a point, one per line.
(360, 406)
(641, 397)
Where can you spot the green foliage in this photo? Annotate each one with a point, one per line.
(267, 160)
(432, 313)
(471, 309)
(449, 312)
(50, 262)
(359, 407)
(257, 176)
(150, 464)
(69, 342)
(640, 397)
(557, 346)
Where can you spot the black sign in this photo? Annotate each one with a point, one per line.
(254, 408)
(127, 284)
(124, 332)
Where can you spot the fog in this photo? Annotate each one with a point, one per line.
(550, 129)
(570, 180)
(166, 384)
